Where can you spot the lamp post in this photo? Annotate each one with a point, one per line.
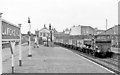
(29, 33)
(20, 50)
(0, 43)
(50, 34)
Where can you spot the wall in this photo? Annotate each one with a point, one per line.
(113, 30)
(76, 30)
(86, 30)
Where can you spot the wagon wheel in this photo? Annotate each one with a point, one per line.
(103, 54)
(94, 53)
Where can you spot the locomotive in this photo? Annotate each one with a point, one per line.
(96, 45)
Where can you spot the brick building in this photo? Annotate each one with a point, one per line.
(82, 30)
(86, 30)
(114, 32)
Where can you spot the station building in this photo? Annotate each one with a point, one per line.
(45, 33)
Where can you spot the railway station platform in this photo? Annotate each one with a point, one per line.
(50, 60)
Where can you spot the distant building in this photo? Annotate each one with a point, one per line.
(75, 30)
(86, 30)
(66, 31)
(44, 33)
(97, 31)
(82, 30)
(58, 34)
(37, 32)
(113, 30)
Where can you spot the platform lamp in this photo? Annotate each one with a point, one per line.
(50, 32)
(20, 50)
(29, 33)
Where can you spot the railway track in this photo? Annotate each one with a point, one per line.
(110, 63)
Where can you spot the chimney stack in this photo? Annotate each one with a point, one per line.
(49, 26)
(44, 26)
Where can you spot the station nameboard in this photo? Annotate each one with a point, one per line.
(9, 31)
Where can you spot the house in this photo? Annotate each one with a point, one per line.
(66, 31)
(45, 33)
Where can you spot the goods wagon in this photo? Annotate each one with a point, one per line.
(96, 45)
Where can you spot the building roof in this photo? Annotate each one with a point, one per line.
(112, 27)
(87, 27)
(44, 29)
(117, 26)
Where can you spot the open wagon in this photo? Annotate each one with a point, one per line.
(102, 45)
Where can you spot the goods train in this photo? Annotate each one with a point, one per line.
(96, 45)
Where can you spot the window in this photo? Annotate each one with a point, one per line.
(40, 34)
(43, 34)
(48, 34)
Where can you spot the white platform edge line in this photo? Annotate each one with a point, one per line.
(95, 63)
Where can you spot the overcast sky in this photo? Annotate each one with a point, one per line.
(60, 13)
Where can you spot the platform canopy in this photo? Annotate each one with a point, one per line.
(10, 31)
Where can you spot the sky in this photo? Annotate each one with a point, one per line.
(61, 14)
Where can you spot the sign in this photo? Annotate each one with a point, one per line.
(10, 31)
